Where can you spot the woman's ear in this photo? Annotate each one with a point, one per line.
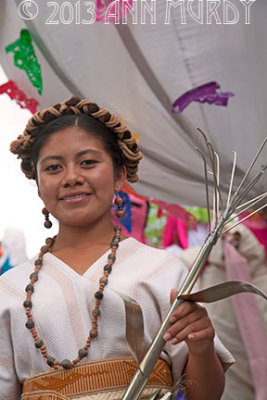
(120, 178)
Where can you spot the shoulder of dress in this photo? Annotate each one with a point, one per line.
(12, 287)
(153, 250)
(153, 254)
(18, 272)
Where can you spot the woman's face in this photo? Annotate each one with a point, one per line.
(76, 178)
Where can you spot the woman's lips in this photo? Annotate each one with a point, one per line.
(75, 198)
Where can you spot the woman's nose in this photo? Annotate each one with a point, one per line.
(72, 177)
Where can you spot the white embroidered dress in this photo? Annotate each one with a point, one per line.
(62, 304)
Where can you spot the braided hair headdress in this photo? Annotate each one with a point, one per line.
(23, 146)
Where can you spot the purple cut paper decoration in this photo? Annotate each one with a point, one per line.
(179, 396)
(203, 94)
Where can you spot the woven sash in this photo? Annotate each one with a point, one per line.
(105, 379)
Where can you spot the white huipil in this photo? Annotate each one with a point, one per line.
(63, 302)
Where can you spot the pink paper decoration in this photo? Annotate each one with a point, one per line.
(174, 209)
(248, 318)
(19, 96)
(117, 8)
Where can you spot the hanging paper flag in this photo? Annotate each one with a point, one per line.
(127, 208)
(200, 213)
(154, 226)
(203, 94)
(25, 58)
(136, 137)
(174, 209)
(177, 211)
(19, 96)
(112, 11)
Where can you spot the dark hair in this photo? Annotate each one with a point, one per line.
(122, 147)
(90, 125)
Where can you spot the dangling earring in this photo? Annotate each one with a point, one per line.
(118, 201)
(47, 223)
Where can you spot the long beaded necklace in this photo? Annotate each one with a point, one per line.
(103, 281)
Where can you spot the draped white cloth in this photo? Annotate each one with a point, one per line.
(138, 70)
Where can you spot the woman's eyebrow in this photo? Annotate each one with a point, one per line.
(52, 157)
(79, 154)
(88, 151)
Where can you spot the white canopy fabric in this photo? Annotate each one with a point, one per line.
(138, 70)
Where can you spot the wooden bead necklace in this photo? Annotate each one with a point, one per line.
(103, 281)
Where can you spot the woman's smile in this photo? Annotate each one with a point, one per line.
(75, 197)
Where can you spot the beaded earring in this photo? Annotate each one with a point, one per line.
(47, 223)
(118, 201)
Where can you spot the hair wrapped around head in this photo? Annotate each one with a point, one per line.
(23, 146)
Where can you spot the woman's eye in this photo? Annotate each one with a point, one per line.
(88, 162)
(53, 167)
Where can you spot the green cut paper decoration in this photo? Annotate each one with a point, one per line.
(25, 58)
(154, 226)
(200, 213)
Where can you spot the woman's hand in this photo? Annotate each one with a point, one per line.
(190, 323)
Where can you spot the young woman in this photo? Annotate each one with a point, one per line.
(73, 344)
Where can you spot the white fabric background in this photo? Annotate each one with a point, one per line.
(139, 70)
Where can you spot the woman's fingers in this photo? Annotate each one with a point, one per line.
(201, 335)
(190, 322)
(184, 308)
(193, 322)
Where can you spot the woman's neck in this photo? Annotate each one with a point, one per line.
(80, 237)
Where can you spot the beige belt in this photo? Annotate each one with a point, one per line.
(106, 379)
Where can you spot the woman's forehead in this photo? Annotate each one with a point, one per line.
(73, 139)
